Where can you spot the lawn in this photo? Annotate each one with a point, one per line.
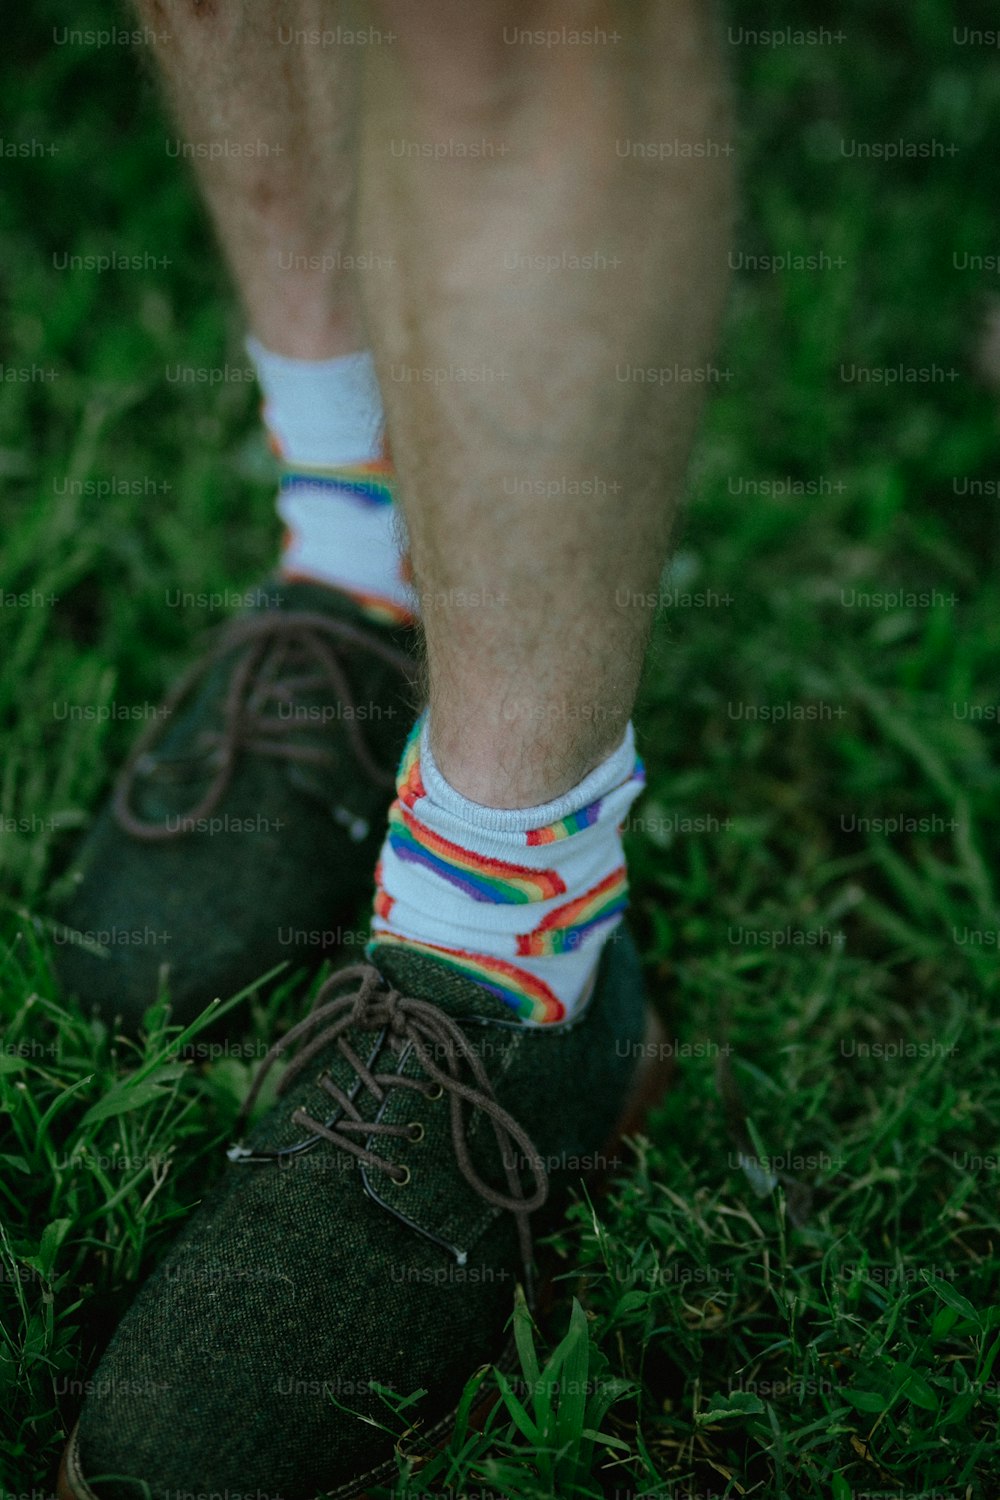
(792, 1286)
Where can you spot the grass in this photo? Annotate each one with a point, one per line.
(791, 1290)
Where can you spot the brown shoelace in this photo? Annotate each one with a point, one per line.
(287, 654)
(373, 1006)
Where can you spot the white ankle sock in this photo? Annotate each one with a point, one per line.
(520, 901)
(326, 424)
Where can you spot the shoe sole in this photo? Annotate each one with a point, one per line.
(653, 1078)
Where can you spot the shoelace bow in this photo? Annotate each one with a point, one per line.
(303, 645)
(374, 1006)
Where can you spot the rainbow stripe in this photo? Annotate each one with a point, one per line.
(476, 875)
(529, 997)
(383, 901)
(371, 483)
(564, 930)
(383, 905)
(409, 782)
(384, 611)
(566, 827)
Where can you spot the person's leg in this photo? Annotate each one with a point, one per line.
(559, 211)
(265, 97)
(290, 725)
(549, 377)
(282, 211)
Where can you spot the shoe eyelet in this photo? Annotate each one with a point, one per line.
(404, 1180)
(435, 1091)
(417, 1131)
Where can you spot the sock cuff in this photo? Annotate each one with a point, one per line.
(321, 412)
(620, 767)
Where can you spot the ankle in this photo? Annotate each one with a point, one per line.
(507, 763)
(302, 325)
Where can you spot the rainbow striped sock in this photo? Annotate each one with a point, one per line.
(326, 424)
(520, 901)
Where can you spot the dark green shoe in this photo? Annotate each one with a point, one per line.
(249, 814)
(373, 1228)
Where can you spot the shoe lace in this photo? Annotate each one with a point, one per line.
(374, 1006)
(285, 654)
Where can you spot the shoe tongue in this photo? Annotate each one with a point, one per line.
(432, 979)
